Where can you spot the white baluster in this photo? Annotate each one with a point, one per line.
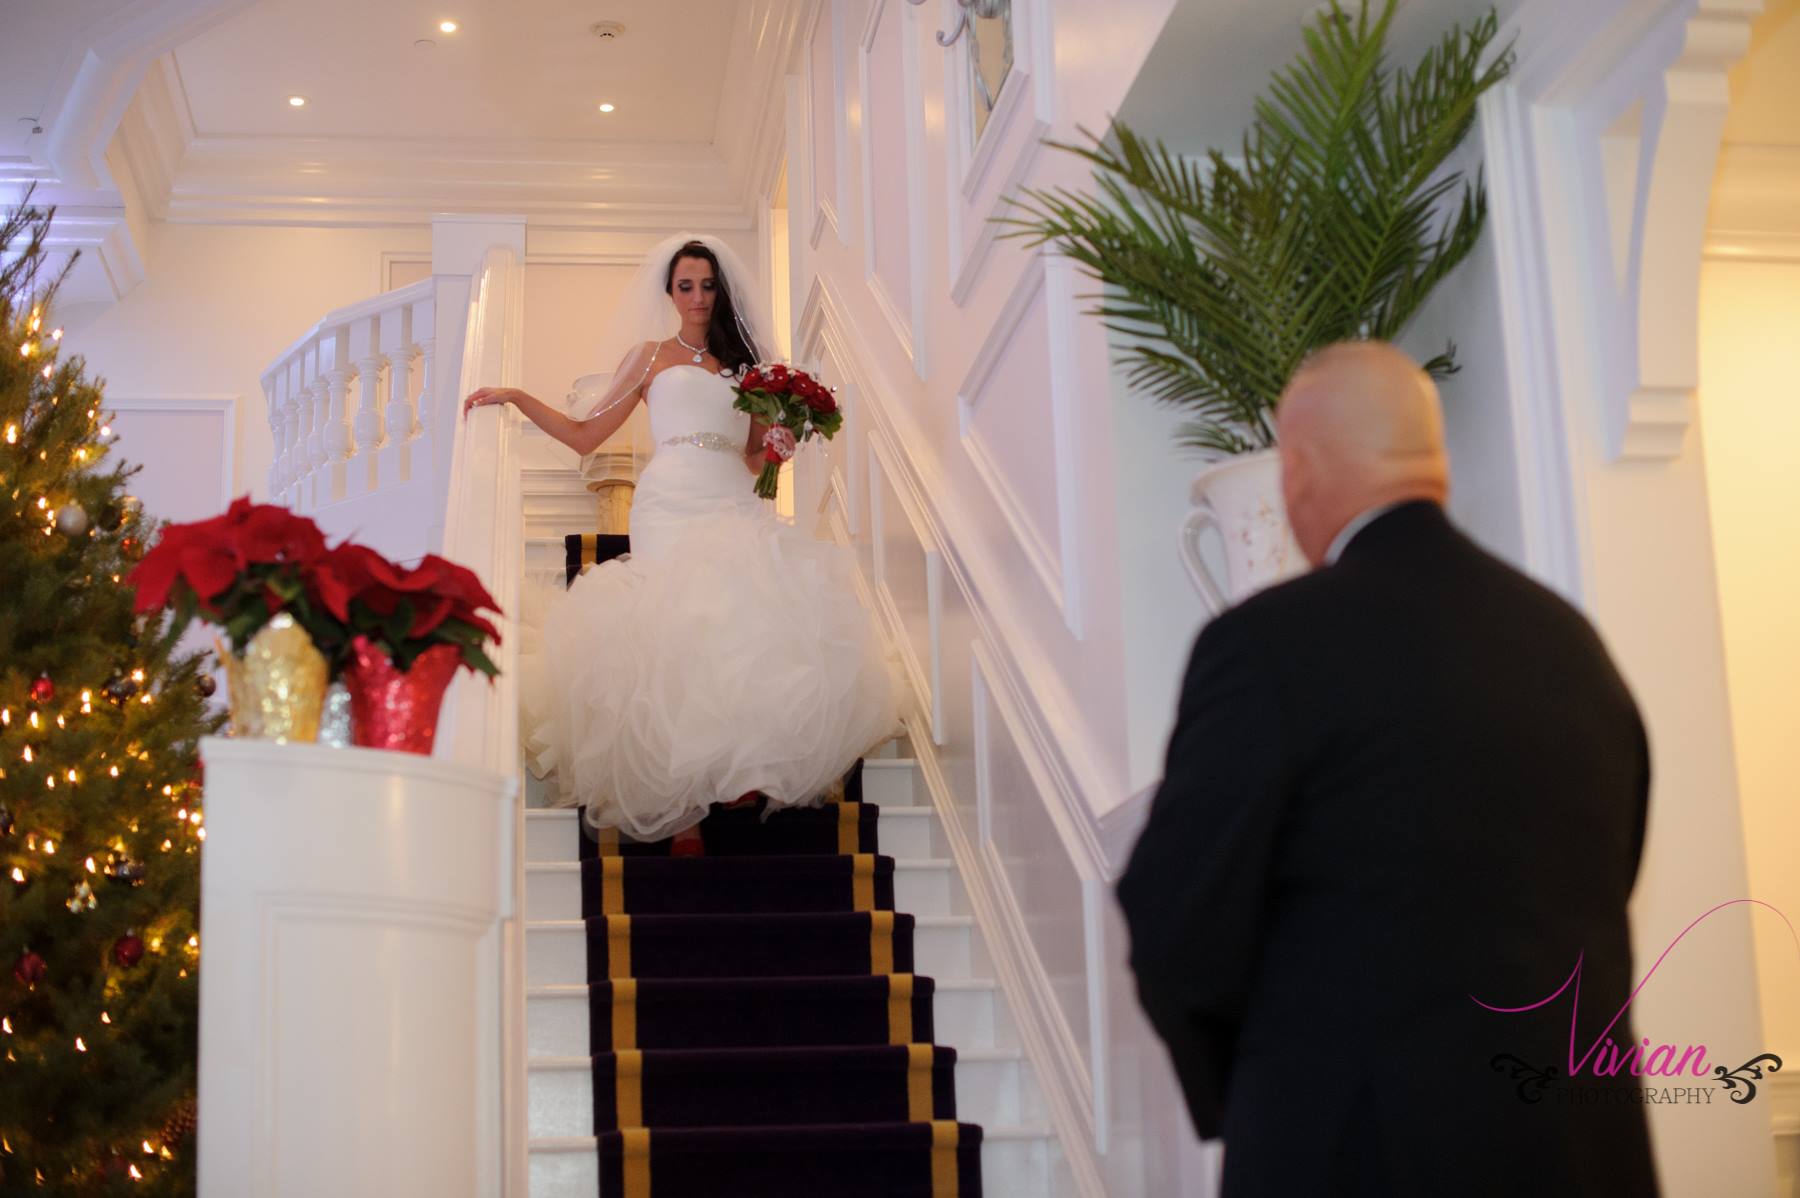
(276, 431)
(294, 444)
(427, 385)
(321, 406)
(368, 404)
(401, 423)
(338, 443)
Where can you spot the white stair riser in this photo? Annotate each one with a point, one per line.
(560, 1100)
(557, 1026)
(1013, 1167)
(557, 956)
(910, 832)
(544, 551)
(555, 893)
(555, 836)
(889, 783)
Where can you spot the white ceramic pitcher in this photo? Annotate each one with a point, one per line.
(1240, 499)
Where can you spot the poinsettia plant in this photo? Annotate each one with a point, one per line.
(238, 570)
(795, 406)
(403, 611)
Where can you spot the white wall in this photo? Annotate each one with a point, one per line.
(979, 460)
(1750, 421)
(218, 304)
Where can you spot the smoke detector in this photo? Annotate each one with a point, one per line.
(608, 31)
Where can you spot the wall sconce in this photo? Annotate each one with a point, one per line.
(985, 9)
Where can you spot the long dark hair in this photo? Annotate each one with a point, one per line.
(724, 339)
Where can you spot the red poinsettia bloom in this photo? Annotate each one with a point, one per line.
(209, 555)
(437, 588)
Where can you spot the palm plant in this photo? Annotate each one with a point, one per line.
(1335, 222)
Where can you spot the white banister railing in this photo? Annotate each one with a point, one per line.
(344, 403)
(484, 529)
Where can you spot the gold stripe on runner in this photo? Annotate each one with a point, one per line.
(628, 1088)
(862, 882)
(624, 1014)
(612, 886)
(944, 1135)
(590, 547)
(636, 1161)
(849, 827)
(609, 842)
(918, 1082)
(618, 946)
(881, 942)
(900, 1008)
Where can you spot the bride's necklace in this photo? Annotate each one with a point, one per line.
(699, 350)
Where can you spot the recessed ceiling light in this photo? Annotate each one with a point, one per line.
(606, 108)
(446, 26)
(297, 101)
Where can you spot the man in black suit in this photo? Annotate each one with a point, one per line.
(1403, 782)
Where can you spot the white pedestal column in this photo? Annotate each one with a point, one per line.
(351, 903)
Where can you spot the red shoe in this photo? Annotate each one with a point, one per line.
(747, 799)
(688, 844)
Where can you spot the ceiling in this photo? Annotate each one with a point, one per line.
(1193, 110)
(31, 55)
(510, 71)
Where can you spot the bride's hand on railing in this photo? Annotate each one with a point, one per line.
(484, 396)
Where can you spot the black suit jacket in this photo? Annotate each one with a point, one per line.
(1395, 783)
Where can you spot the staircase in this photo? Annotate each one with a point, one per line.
(908, 1074)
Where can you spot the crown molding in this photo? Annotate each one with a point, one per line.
(101, 73)
(584, 185)
(1755, 201)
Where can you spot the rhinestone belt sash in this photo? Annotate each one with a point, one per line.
(708, 441)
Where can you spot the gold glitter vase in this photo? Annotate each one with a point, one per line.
(277, 685)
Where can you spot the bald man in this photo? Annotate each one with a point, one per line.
(1404, 781)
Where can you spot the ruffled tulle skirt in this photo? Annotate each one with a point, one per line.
(739, 658)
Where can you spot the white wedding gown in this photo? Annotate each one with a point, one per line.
(727, 653)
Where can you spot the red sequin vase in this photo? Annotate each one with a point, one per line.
(390, 709)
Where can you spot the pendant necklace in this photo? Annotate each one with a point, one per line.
(699, 352)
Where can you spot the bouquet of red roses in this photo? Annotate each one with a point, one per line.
(795, 406)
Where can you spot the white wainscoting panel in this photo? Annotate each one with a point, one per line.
(824, 111)
(893, 184)
(909, 583)
(982, 176)
(1040, 888)
(187, 446)
(1021, 447)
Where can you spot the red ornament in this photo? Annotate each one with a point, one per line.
(43, 690)
(31, 969)
(128, 950)
(394, 710)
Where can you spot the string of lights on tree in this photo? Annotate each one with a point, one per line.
(100, 801)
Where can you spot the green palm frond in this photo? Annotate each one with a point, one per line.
(1336, 218)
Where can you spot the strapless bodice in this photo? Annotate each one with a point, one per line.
(692, 401)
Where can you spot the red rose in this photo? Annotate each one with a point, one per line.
(753, 381)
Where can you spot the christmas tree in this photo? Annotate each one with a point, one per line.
(99, 818)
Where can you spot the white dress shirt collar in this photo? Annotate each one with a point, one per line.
(1357, 523)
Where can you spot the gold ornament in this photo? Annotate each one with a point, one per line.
(277, 685)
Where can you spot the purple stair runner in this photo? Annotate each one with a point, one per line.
(755, 1023)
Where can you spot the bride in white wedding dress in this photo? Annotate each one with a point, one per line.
(727, 653)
